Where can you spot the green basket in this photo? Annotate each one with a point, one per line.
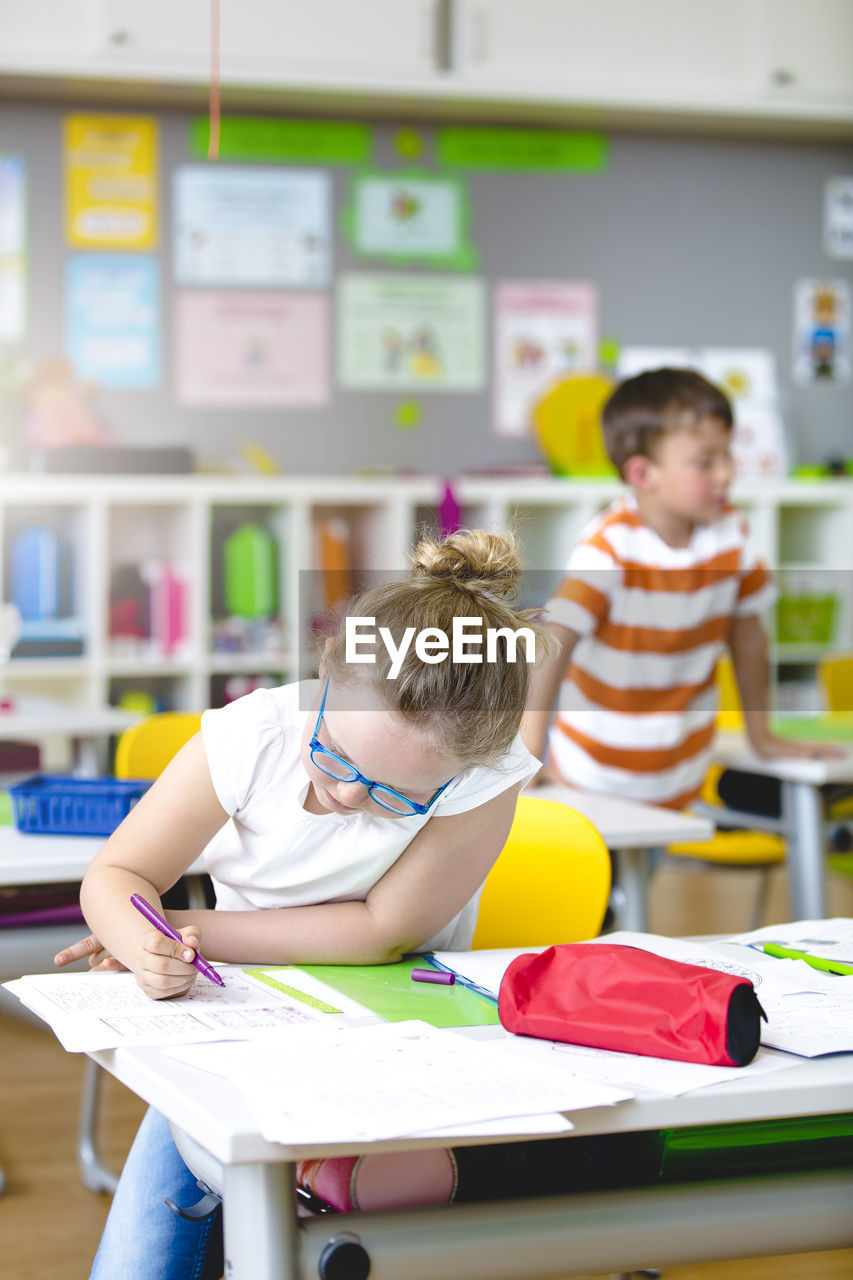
(806, 619)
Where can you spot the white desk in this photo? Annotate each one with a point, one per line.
(802, 818)
(603, 1231)
(630, 829)
(86, 728)
(50, 859)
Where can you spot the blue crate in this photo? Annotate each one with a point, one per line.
(57, 805)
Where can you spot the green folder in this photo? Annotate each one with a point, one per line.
(388, 989)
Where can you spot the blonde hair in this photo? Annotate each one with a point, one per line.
(470, 711)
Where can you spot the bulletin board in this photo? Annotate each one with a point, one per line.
(369, 282)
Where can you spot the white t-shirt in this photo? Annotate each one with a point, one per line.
(272, 853)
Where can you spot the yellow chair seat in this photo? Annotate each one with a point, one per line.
(734, 848)
(551, 882)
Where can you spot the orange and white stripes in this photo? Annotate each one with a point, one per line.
(640, 700)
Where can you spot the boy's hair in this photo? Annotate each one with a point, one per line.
(470, 711)
(644, 409)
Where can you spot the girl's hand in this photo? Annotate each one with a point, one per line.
(100, 959)
(164, 968)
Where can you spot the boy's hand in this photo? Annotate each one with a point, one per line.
(771, 745)
(164, 968)
(99, 958)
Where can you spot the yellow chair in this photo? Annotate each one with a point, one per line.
(835, 678)
(142, 751)
(550, 883)
(751, 850)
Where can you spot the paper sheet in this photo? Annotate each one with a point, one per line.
(330, 1084)
(104, 1010)
(635, 1071)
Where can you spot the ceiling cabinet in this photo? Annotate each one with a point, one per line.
(769, 65)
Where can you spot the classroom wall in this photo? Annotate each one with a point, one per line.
(690, 240)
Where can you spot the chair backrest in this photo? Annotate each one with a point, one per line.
(730, 714)
(835, 676)
(144, 750)
(551, 882)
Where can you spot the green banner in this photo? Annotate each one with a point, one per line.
(529, 150)
(268, 140)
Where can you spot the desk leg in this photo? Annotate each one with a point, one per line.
(93, 1172)
(89, 756)
(259, 1220)
(802, 812)
(629, 894)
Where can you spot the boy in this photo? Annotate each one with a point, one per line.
(656, 589)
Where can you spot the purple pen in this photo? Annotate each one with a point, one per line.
(153, 917)
(433, 975)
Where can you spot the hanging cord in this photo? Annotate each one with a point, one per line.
(213, 142)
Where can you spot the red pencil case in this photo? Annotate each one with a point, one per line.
(616, 997)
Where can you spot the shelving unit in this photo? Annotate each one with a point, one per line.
(767, 65)
(108, 523)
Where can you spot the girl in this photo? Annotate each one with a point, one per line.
(363, 821)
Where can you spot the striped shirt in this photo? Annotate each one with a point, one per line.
(640, 698)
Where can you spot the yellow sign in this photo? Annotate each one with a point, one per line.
(111, 182)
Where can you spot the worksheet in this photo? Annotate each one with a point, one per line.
(328, 1083)
(88, 1011)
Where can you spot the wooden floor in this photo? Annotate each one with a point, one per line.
(50, 1225)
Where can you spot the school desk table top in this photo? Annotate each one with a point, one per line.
(513, 1239)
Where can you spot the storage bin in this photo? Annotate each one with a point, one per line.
(57, 805)
(805, 619)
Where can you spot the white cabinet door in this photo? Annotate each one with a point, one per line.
(281, 39)
(806, 49)
(34, 33)
(656, 51)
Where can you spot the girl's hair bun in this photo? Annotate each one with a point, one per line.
(470, 560)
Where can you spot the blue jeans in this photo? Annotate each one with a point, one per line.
(143, 1238)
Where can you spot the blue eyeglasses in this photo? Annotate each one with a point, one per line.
(329, 762)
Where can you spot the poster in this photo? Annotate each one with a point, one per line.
(544, 329)
(821, 332)
(13, 248)
(112, 318)
(253, 349)
(400, 332)
(749, 378)
(408, 216)
(111, 182)
(262, 227)
(838, 217)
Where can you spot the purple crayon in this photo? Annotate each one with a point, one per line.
(433, 975)
(153, 917)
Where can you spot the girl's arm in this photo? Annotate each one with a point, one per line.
(432, 880)
(158, 840)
